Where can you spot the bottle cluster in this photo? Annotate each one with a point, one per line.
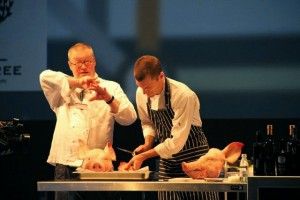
(276, 156)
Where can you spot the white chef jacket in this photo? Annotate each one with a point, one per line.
(186, 107)
(80, 119)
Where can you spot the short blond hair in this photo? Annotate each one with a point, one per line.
(80, 46)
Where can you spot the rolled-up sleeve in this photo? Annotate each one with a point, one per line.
(126, 114)
(55, 87)
(146, 123)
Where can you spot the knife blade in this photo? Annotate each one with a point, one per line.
(126, 151)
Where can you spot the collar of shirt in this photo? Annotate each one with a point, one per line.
(83, 95)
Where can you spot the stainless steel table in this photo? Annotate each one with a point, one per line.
(140, 186)
(144, 186)
(255, 184)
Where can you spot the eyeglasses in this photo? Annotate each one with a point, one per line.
(79, 64)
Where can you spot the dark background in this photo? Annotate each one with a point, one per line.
(191, 38)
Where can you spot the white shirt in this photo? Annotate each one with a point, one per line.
(186, 107)
(81, 119)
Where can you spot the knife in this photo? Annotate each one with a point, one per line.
(126, 151)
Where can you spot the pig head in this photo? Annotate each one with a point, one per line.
(211, 164)
(97, 159)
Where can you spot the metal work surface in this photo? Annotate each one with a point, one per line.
(253, 188)
(93, 185)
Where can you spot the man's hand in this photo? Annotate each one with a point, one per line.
(83, 82)
(142, 148)
(142, 153)
(101, 93)
(86, 81)
(135, 163)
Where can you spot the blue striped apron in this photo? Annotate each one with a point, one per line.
(195, 146)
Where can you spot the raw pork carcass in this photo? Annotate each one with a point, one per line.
(211, 164)
(97, 159)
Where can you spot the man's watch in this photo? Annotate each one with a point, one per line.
(111, 100)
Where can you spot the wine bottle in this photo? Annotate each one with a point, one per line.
(293, 152)
(269, 152)
(258, 155)
(282, 161)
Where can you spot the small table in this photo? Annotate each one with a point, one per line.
(257, 184)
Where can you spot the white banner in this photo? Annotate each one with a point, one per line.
(23, 44)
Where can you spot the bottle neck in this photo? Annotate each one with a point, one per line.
(292, 131)
(269, 130)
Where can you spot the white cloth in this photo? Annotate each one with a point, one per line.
(81, 119)
(186, 106)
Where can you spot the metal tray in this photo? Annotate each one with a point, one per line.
(115, 175)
